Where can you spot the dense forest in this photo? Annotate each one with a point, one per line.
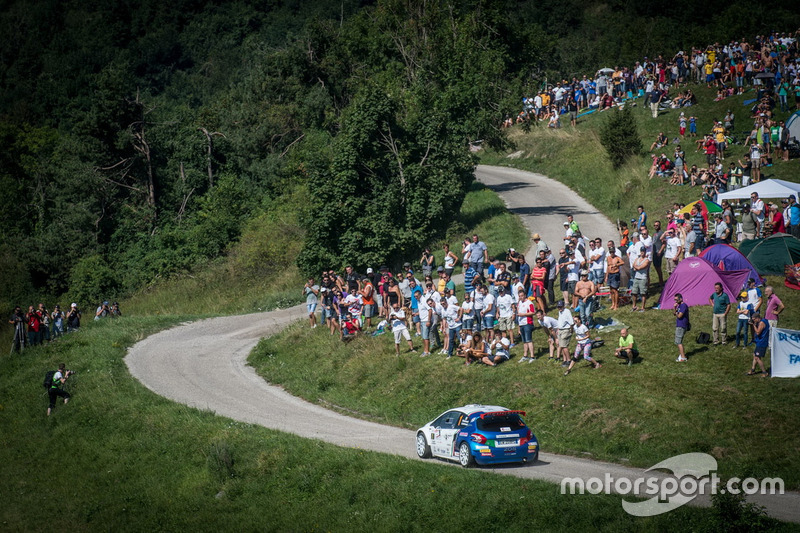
(140, 138)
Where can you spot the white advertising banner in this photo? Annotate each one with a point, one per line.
(785, 353)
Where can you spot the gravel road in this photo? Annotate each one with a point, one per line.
(203, 364)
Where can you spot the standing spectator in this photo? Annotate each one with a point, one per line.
(478, 254)
(73, 318)
(640, 267)
(565, 324)
(794, 216)
(655, 99)
(682, 325)
(310, 291)
(398, 319)
(18, 321)
(505, 310)
(34, 321)
(488, 313)
(103, 310)
(761, 330)
(585, 289)
(672, 248)
(524, 272)
(757, 208)
(658, 250)
(450, 260)
(750, 225)
(641, 218)
(427, 262)
(773, 308)
(744, 310)
(58, 322)
(613, 264)
(452, 316)
(539, 283)
(597, 261)
(722, 232)
(583, 346)
(44, 330)
(525, 313)
(368, 295)
(721, 306)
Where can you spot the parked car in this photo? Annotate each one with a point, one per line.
(482, 434)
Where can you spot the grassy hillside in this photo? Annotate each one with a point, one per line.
(635, 415)
(575, 156)
(120, 457)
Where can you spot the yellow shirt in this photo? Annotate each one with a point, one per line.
(719, 133)
(709, 68)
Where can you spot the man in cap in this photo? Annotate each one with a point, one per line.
(540, 244)
(722, 232)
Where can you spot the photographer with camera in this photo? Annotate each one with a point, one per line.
(73, 318)
(103, 311)
(18, 321)
(56, 390)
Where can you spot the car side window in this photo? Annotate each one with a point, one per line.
(447, 420)
(463, 421)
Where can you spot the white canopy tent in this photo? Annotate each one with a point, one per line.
(765, 189)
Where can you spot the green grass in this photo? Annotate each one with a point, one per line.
(636, 415)
(121, 457)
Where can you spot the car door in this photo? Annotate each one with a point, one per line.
(442, 434)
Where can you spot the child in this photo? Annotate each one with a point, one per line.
(693, 126)
(584, 345)
(745, 309)
(682, 121)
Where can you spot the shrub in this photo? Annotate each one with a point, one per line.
(619, 136)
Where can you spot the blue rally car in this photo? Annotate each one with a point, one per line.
(483, 434)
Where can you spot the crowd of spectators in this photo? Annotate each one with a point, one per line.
(767, 63)
(504, 298)
(39, 325)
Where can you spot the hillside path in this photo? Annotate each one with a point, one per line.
(203, 364)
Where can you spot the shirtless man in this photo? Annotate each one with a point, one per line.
(613, 264)
(585, 290)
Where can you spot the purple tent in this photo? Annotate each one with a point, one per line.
(726, 257)
(695, 277)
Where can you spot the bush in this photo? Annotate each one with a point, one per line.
(92, 280)
(619, 137)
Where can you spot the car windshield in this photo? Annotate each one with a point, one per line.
(496, 424)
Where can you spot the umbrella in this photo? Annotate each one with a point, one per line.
(606, 70)
(706, 207)
(765, 76)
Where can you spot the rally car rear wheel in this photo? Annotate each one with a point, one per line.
(465, 456)
(423, 450)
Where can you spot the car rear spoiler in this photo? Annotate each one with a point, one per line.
(503, 413)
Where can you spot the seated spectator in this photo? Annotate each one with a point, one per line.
(660, 142)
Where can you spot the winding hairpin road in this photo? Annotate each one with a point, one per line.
(203, 364)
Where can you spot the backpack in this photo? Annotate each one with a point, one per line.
(704, 338)
(48, 379)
